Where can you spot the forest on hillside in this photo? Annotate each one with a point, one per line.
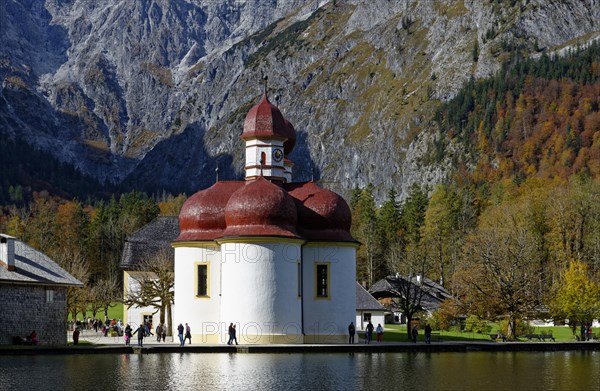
(535, 118)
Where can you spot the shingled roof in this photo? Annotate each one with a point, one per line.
(364, 300)
(34, 267)
(433, 293)
(155, 236)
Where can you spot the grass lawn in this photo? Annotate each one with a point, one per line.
(397, 333)
(115, 312)
(560, 333)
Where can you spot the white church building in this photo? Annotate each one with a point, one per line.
(271, 256)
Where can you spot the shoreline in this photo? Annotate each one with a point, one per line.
(389, 347)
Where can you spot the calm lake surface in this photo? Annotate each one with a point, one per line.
(359, 371)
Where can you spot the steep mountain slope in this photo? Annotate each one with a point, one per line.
(154, 92)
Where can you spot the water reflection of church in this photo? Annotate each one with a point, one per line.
(273, 256)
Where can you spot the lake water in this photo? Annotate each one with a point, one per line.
(358, 371)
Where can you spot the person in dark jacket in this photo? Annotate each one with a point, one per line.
(180, 333)
(231, 333)
(427, 333)
(140, 332)
(128, 334)
(76, 336)
(232, 337)
(188, 333)
(158, 331)
(369, 333)
(351, 332)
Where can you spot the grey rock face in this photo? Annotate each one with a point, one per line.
(154, 92)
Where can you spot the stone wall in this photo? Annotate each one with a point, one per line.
(24, 308)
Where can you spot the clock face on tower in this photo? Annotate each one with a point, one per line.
(277, 155)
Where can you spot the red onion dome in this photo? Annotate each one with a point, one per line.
(202, 216)
(289, 144)
(264, 120)
(261, 208)
(322, 214)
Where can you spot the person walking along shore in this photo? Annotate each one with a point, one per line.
(379, 332)
(188, 333)
(232, 333)
(159, 331)
(180, 334)
(369, 333)
(140, 332)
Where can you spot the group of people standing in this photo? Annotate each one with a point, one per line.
(188, 334)
(586, 332)
(368, 332)
(379, 331)
(415, 333)
(143, 331)
(184, 334)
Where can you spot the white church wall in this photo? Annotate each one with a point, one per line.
(200, 312)
(326, 319)
(260, 291)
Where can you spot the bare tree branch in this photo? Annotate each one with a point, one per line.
(155, 285)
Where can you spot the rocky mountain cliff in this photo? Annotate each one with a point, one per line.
(152, 93)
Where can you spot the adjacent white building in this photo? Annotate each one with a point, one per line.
(153, 238)
(368, 309)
